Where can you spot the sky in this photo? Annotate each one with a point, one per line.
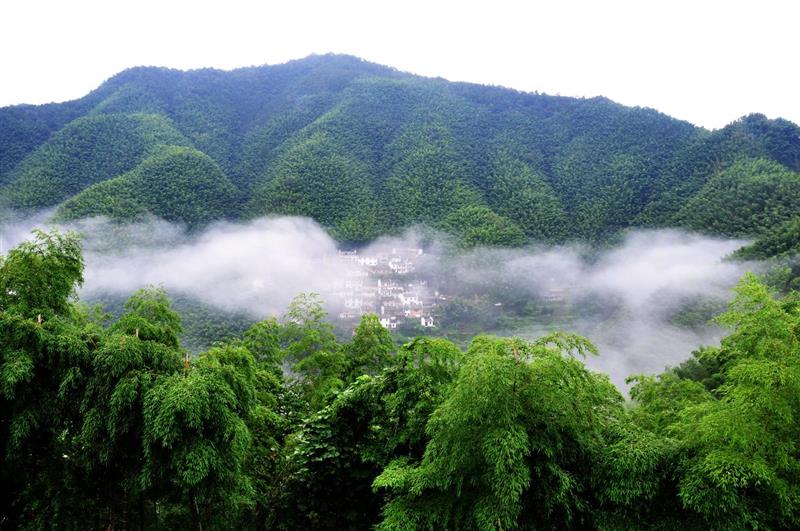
(705, 61)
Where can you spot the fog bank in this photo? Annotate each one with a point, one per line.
(625, 298)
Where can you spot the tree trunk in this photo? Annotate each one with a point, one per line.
(196, 514)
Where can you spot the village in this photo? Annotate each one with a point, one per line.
(383, 283)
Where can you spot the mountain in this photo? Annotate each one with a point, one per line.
(365, 150)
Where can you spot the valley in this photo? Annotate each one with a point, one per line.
(330, 294)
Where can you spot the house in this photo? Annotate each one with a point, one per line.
(408, 299)
(389, 322)
(413, 313)
(368, 261)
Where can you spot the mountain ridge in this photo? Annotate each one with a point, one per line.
(366, 149)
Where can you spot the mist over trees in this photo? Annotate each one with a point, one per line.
(213, 391)
(108, 423)
(645, 301)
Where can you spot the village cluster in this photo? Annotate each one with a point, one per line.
(383, 283)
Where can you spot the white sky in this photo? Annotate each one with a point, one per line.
(705, 61)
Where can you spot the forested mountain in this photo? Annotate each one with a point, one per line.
(365, 150)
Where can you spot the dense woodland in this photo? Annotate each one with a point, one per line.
(367, 150)
(110, 424)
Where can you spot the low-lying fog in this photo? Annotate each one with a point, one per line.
(623, 298)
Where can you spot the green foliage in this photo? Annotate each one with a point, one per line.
(100, 427)
(737, 457)
(305, 343)
(429, 180)
(751, 137)
(704, 366)
(521, 193)
(315, 179)
(205, 325)
(417, 384)
(89, 150)
(779, 241)
(477, 225)
(522, 455)
(140, 348)
(698, 312)
(312, 350)
(175, 183)
(329, 480)
(748, 198)
(111, 425)
(149, 317)
(45, 345)
(746, 443)
(24, 127)
(370, 350)
(41, 275)
(338, 452)
(196, 439)
(265, 341)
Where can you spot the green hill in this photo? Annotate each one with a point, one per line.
(176, 183)
(366, 150)
(748, 198)
(88, 150)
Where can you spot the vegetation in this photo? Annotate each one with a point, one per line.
(781, 240)
(476, 225)
(108, 423)
(366, 150)
(748, 198)
(176, 184)
(89, 150)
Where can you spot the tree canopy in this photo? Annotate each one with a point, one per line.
(109, 423)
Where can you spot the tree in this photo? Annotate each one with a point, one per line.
(45, 349)
(340, 450)
(196, 436)
(139, 348)
(478, 225)
(512, 444)
(370, 350)
(745, 470)
(728, 422)
(40, 276)
(312, 349)
(264, 340)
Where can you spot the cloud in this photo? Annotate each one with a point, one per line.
(623, 298)
(255, 267)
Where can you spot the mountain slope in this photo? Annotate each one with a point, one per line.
(781, 240)
(88, 150)
(176, 183)
(365, 149)
(747, 198)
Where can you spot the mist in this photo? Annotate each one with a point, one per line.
(625, 298)
(643, 284)
(628, 300)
